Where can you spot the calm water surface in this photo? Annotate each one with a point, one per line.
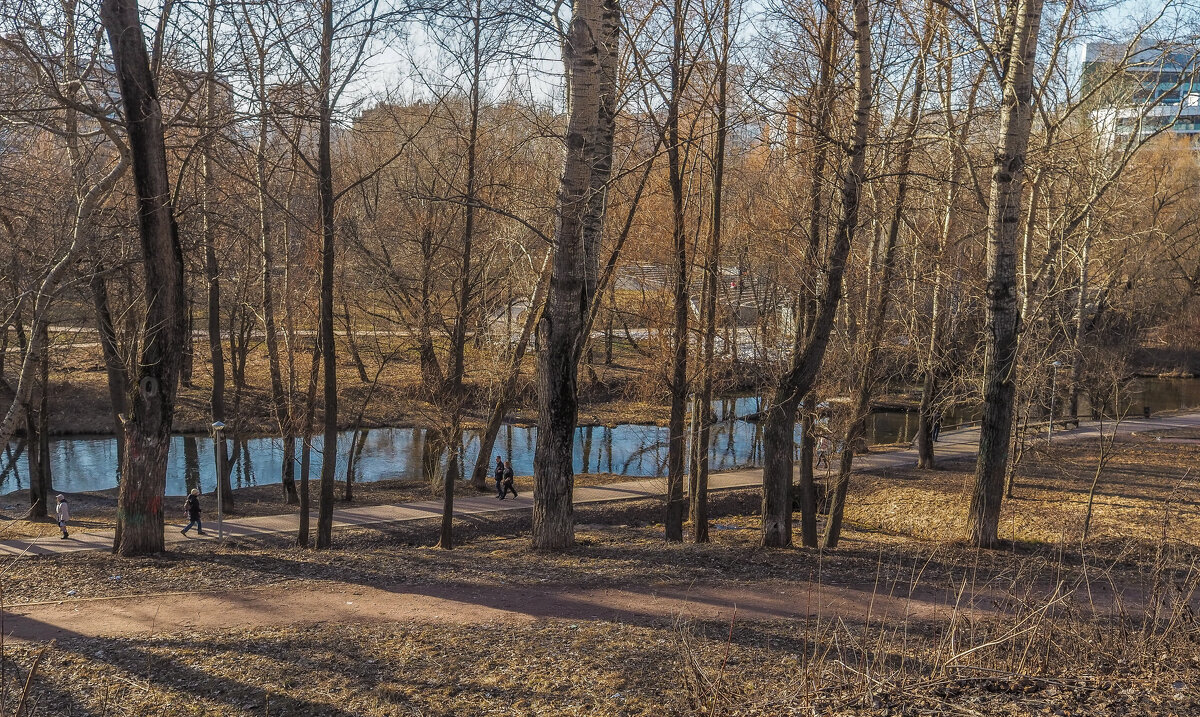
(82, 464)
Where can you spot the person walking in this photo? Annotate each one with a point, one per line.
(508, 481)
(192, 505)
(823, 451)
(63, 512)
(499, 478)
(937, 428)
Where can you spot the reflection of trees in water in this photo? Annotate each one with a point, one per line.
(587, 447)
(191, 464)
(11, 460)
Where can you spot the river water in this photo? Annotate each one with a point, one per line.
(90, 463)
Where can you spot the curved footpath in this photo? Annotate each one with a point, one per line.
(953, 444)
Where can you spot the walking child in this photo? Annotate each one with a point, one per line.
(508, 481)
(192, 505)
(63, 512)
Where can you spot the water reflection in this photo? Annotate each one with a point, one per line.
(81, 464)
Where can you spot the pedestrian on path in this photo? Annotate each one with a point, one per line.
(508, 481)
(499, 478)
(63, 512)
(823, 451)
(192, 505)
(937, 427)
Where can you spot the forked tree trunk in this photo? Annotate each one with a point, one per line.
(779, 426)
(591, 57)
(1003, 315)
(782, 411)
(879, 300)
(148, 429)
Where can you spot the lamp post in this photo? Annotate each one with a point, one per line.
(218, 449)
(1053, 382)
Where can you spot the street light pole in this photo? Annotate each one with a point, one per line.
(1053, 382)
(218, 448)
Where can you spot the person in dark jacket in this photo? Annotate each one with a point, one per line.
(508, 481)
(193, 511)
(499, 478)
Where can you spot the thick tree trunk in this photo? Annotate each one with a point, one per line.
(591, 56)
(1003, 315)
(779, 426)
(148, 429)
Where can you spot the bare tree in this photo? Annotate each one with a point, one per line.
(590, 54)
(148, 428)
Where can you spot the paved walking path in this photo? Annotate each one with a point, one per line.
(953, 444)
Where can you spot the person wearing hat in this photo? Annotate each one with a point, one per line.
(63, 512)
(193, 511)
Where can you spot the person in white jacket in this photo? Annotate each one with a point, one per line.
(63, 511)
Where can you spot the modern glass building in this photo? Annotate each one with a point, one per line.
(1143, 90)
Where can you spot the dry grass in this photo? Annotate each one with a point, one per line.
(1146, 491)
(1047, 627)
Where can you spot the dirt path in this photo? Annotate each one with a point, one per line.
(467, 604)
(142, 616)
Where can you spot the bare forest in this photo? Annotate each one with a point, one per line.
(308, 220)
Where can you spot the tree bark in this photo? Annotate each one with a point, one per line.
(677, 381)
(212, 269)
(1003, 315)
(114, 367)
(310, 404)
(591, 56)
(879, 299)
(328, 348)
(779, 425)
(148, 429)
(712, 265)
